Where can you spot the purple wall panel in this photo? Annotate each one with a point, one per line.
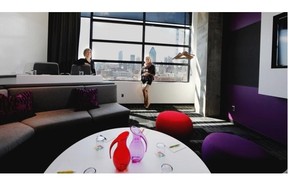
(263, 114)
(240, 20)
(266, 115)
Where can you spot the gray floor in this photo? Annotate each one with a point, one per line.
(202, 126)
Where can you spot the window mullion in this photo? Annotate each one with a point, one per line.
(143, 37)
(164, 47)
(91, 30)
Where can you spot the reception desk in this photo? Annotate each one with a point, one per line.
(57, 78)
(25, 79)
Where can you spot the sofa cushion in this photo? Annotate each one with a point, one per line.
(108, 110)
(12, 135)
(85, 99)
(57, 118)
(110, 115)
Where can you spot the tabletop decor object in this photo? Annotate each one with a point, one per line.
(121, 156)
(137, 147)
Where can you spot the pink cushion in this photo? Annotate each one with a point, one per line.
(22, 105)
(176, 124)
(16, 107)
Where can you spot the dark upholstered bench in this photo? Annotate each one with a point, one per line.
(55, 125)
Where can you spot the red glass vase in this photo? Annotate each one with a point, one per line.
(121, 156)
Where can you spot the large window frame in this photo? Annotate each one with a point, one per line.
(143, 44)
(279, 41)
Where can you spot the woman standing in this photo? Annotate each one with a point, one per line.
(147, 76)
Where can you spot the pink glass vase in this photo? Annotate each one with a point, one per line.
(121, 156)
(137, 147)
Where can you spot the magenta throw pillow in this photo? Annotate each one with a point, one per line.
(22, 105)
(85, 99)
(16, 107)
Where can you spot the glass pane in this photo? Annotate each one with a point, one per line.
(166, 35)
(115, 51)
(121, 15)
(171, 73)
(118, 71)
(279, 41)
(164, 53)
(180, 18)
(113, 31)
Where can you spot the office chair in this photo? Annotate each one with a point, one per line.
(76, 68)
(46, 68)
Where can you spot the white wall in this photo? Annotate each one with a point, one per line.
(23, 41)
(272, 82)
(159, 92)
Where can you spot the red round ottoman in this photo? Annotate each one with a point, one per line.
(176, 124)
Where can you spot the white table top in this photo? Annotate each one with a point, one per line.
(83, 154)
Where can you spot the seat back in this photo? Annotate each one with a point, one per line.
(76, 68)
(46, 68)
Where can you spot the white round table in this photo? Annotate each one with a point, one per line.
(83, 154)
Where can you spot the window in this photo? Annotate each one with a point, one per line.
(116, 52)
(120, 41)
(117, 32)
(166, 35)
(279, 42)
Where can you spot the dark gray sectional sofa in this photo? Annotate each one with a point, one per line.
(32, 144)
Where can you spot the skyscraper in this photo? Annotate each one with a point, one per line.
(120, 55)
(132, 57)
(152, 54)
